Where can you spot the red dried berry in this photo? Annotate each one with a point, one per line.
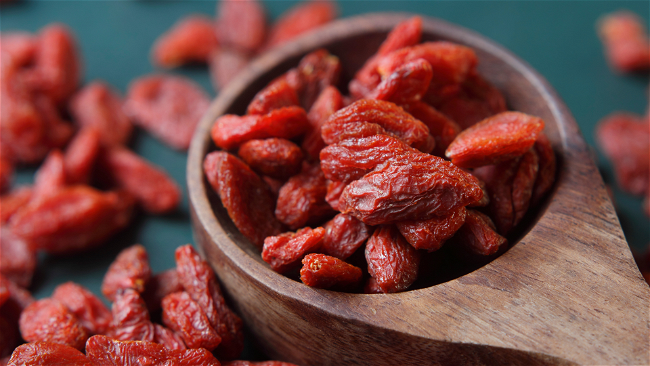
(17, 259)
(275, 157)
(47, 353)
(159, 286)
(191, 39)
(392, 262)
(442, 128)
(284, 252)
(241, 24)
(248, 200)
(334, 190)
(498, 180)
(523, 183)
(478, 235)
(168, 338)
(81, 155)
(407, 84)
(323, 271)
(432, 233)
(131, 320)
(499, 138)
(169, 107)
(50, 177)
(300, 19)
(13, 201)
(547, 167)
(329, 101)
(344, 234)
(129, 270)
(315, 72)
(276, 95)
(6, 172)
(625, 40)
(184, 316)
(47, 320)
(225, 64)
(88, 308)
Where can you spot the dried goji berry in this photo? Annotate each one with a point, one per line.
(430, 234)
(625, 40)
(18, 48)
(415, 188)
(408, 83)
(276, 95)
(329, 101)
(372, 287)
(392, 262)
(168, 338)
(98, 105)
(19, 298)
(324, 271)
(498, 180)
(301, 200)
(50, 177)
(129, 270)
(184, 316)
(499, 138)
(344, 234)
(284, 252)
(230, 131)
(241, 24)
(154, 190)
(13, 201)
(225, 64)
(368, 117)
(88, 308)
(478, 235)
(159, 286)
(102, 350)
(17, 259)
(315, 72)
(80, 156)
(625, 139)
(522, 184)
(73, 219)
(168, 106)
(442, 128)
(131, 320)
(278, 158)
(300, 19)
(47, 320)
(334, 190)
(246, 197)
(547, 166)
(13, 300)
(47, 353)
(191, 39)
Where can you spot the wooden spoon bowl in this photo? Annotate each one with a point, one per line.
(567, 292)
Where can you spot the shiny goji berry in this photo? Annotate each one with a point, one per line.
(344, 234)
(80, 156)
(329, 101)
(13, 201)
(276, 95)
(17, 259)
(499, 138)
(300, 19)
(547, 166)
(168, 106)
(88, 308)
(625, 41)
(315, 72)
(168, 338)
(184, 316)
(246, 197)
(241, 24)
(334, 190)
(523, 183)
(498, 180)
(275, 157)
(72, 219)
(225, 64)
(284, 252)
(368, 117)
(392, 262)
(430, 234)
(102, 350)
(131, 320)
(230, 131)
(415, 188)
(129, 270)
(478, 235)
(47, 353)
(159, 286)
(47, 320)
(442, 128)
(50, 177)
(324, 271)
(408, 83)
(154, 190)
(191, 39)
(99, 106)
(301, 200)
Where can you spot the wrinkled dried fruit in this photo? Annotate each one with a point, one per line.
(13, 201)
(498, 180)
(88, 308)
(225, 64)
(344, 234)
(129, 270)
(230, 131)
(522, 184)
(499, 138)
(50, 177)
(392, 262)
(329, 101)
(131, 320)
(168, 338)
(102, 350)
(17, 259)
(300, 19)
(98, 105)
(184, 316)
(169, 107)
(47, 353)
(547, 167)
(276, 95)
(442, 128)
(274, 157)
(159, 286)
(432, 233)
(368, 117)
(315, 72)
(191, 39)
(284, 252)
(241, 24)
(80, 156)
(47, 320)
(247, 198)
(478, 235)
(154, 190)
(334, 190)
(625, 40)
(324, 271)
(407, 84)
(301, 200)
(73, 219)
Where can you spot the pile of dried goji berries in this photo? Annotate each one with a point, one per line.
(177, 316)
(624, 137)
(421, 153)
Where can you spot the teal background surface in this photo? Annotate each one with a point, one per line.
(558, 38)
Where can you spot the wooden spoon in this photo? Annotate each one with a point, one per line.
(567, 292)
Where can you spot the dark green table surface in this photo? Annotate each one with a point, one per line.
(557, 38)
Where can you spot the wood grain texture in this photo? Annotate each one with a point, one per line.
(568, 291)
